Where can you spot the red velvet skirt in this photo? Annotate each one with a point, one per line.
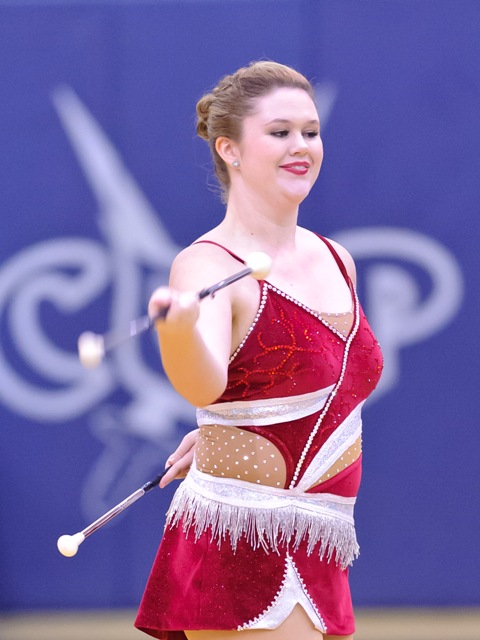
(195, 585)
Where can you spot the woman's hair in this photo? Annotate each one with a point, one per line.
(222, 111)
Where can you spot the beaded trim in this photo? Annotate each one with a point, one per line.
(324, 412)
(254, 622)
(305, 591)
(263, 300)
(292, 591)
(265, 287)
(265, 516)
(263, 412)
(312, 312)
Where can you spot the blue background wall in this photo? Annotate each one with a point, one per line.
(103, 180)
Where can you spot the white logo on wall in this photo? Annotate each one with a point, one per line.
(73, 273)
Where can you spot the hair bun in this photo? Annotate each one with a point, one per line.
(203, 112)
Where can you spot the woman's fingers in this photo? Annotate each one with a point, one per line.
(177, 470)
(181, 460)
(173, 310)
(160, 302)
(187, 443)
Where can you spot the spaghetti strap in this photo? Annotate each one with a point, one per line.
(334, 253)
(234, 255)
(337, 258)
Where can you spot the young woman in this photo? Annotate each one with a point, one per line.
(260, 534)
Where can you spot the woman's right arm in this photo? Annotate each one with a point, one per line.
(195, 338)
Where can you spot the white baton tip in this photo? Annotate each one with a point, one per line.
(91, 349)
(68, 545)
(260, 264)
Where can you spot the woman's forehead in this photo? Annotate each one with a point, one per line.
(285, 103)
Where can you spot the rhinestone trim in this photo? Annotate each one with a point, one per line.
(263, 300)
(305, 591)
(324, 412)
(336, 445)
(313, 313)
(255, 621)
(292, 591)
(265, 287)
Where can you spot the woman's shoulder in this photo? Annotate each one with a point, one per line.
(314, 238)
(199, 264)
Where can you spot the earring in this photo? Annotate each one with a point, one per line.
(235, 163)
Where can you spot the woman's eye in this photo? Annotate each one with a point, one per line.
(311, 134)
(280, 134)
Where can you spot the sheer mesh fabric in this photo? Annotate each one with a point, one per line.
(229, 452)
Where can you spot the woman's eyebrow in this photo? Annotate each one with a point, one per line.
(285, 120)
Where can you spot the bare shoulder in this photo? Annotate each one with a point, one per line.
(200, 265)
(313, 239)
(346, 259)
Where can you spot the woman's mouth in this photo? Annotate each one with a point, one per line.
(298, 168)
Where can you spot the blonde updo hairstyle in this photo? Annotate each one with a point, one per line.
(222, 111)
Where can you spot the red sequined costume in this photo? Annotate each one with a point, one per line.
(240, 551)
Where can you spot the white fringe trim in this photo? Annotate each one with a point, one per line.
(265, 516)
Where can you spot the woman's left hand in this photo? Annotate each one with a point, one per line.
(180, 460)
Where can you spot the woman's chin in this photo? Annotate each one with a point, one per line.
(297, 193)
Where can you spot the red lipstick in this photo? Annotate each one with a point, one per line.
(298, 168)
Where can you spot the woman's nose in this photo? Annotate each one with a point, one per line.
(299, 144)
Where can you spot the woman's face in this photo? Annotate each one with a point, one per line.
(280, 151)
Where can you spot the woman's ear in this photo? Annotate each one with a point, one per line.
(226, 149)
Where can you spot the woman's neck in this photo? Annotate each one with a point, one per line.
(253, 221)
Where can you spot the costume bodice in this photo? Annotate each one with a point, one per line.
(293, 352)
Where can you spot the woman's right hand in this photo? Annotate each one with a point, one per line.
(173, 310)
(181, 460)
